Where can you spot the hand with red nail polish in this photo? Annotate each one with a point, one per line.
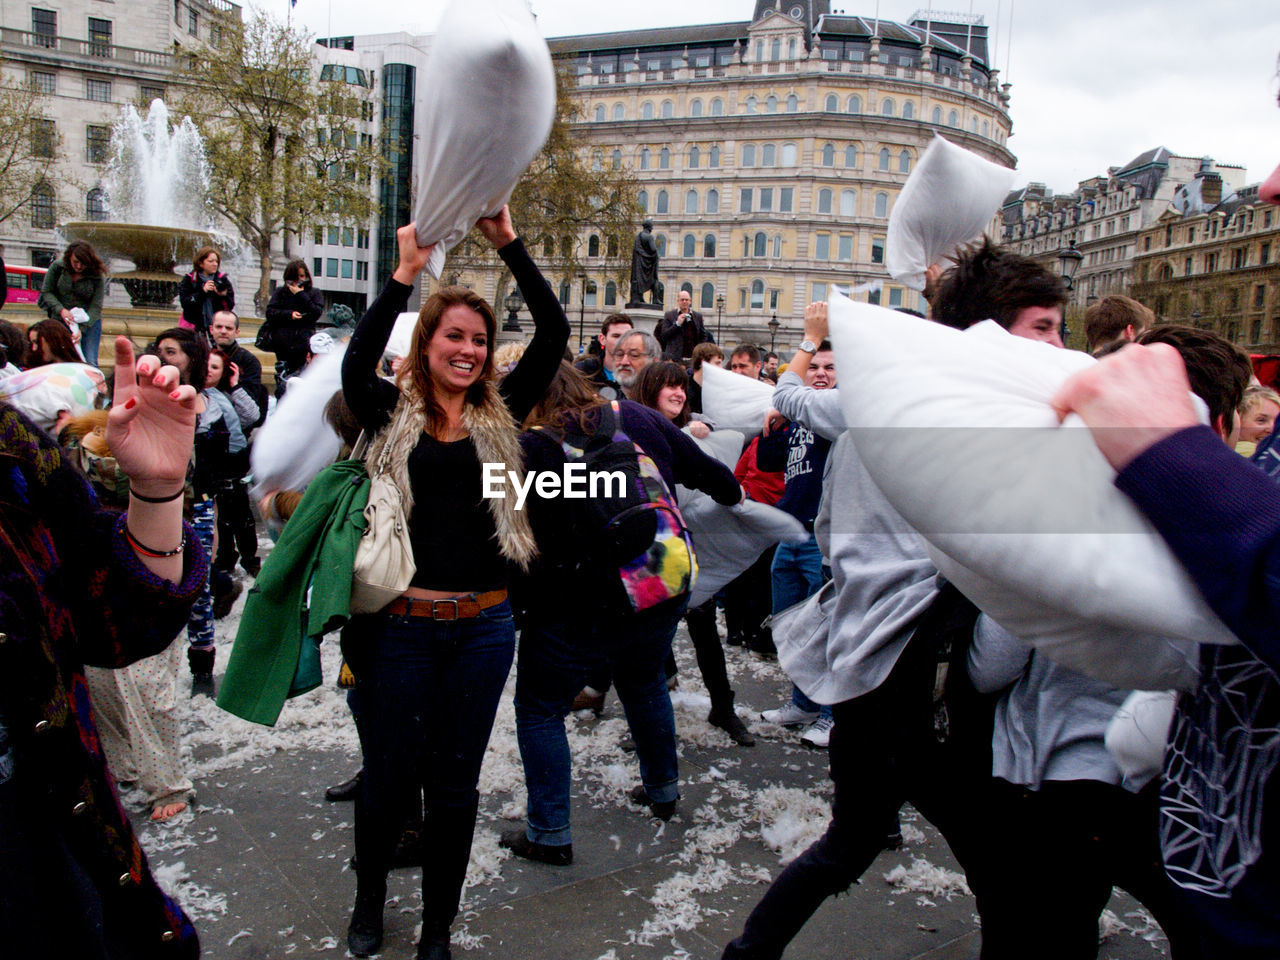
(152, 422)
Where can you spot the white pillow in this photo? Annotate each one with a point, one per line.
(949, 199)
(727, 540)
(43, 392)
(734, 402)
(295, 444)
(1021, 513)
(489, 97)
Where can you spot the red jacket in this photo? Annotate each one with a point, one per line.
(763, 486)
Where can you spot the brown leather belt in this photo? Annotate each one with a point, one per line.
(455, 608)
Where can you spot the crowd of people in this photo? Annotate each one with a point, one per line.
(121, 528)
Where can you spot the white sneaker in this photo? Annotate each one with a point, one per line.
(789, 715)
(819, 733)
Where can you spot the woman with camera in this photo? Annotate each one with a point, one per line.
(292, 314)
(204, 291)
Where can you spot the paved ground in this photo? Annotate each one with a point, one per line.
(262, 861)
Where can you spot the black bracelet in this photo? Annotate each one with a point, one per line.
(155, 554)
(137, 496)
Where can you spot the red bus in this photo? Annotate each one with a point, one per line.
(24, 283)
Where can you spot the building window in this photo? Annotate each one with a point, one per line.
(845, 248)
(99, 37)
(882, 205)
(750, 105)
(833, 103)
(362, 239)
(848, 202)
(786, 196)
(695, 157)
(95, 205)
(690, 245)
(99, 90)
(42, 206)
(759, 246)
(757, 294)
(886, 107)
(854, 105)
(616, 160)
(44, 24)
(593, 245)
(619, 111)
(766, 199)
(744, 200)
(937, 115)
(819, 294)
(714, 160)
(777, 246)
(709, 245)
(610, 294)
(873, 298)
(908, 110)
(691, 201)
(318, 236)
(317, 267)
(644, 158)
(330, 267)
(829, 155)
(148, 93)
(600, 114)
(362, 270)
(97, 143)
(334, 236)
(708, 296)
(662, 244)
(793, 102)
(717, 107)
(904, 162)
(822, 247)
(664, 202)
(768, 155)
(193, 21)
(597, 160)
(668, 110)
(895, 296)
(695, 108)
(713, 201)
(851, 156)
(877, 250)
(789, 154)
(43, 82)
(775, 49)
(43, 133)
(748, 154)
(348, 269)
(646, 111)
(884, 158)
(664, 159)
(590, 293)
(1264, 254)
(824, 200)
(953, 119)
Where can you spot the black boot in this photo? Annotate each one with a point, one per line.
(723, 716)
(364, 935)
(448, 831)
(343, 792)
(201, 660)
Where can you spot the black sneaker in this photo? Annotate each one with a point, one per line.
(518, 842)
(251, 565)
(664, 810)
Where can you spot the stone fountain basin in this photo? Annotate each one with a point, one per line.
(153, 250)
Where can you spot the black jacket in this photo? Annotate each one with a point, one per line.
(678, 340)
(291, 336)
(192, 296)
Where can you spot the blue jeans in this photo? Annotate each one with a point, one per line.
(90, 337)
(798, 573)
(555, 658)
(428, 696)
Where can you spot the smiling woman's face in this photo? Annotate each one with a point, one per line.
(456, 352)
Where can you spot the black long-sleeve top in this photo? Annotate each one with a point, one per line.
(453, 534)
(291, 335)
(676, 455)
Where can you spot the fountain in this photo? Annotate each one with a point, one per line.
(157, 182)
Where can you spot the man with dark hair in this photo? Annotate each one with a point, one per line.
(682, 329)
(702, 353)
(745, 360)
(769, 369)
(599, 370)
(224, 328)
(1219, 371)
(1115, 318)
(991, 283)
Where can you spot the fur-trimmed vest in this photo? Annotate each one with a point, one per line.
(495, 435)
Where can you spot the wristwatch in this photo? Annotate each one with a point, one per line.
(809, 347)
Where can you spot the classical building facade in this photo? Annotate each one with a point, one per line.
(770, 151)
(1215, 264)
(1106, 217)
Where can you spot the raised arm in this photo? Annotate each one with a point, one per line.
(524, 386)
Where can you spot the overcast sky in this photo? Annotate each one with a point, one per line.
(1095, 82)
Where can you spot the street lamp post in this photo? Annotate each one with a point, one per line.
(513, 304)
(773, 332)
(1070, 259)
(582, 307)
(719, 313)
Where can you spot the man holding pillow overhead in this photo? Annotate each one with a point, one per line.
(892, 624)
